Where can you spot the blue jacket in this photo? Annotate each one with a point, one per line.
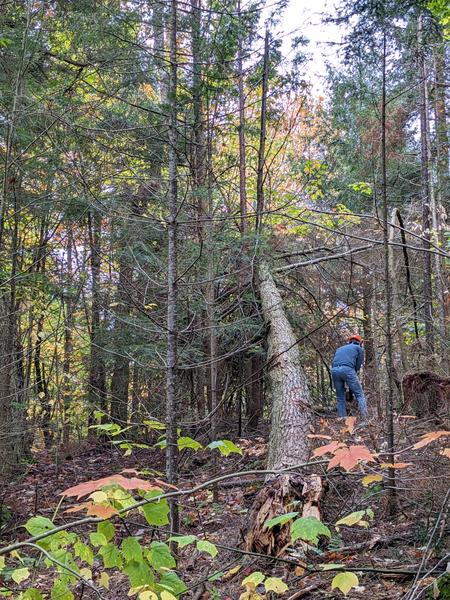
(351, 355)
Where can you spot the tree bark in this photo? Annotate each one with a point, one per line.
(396, 292)
(262, 137)
(120, 381)
(392, 494)
(242, 149)
(442, 136)
(425, 192)
(290, 424)
(172, 292)
(291, 401)
(68, 341)
(371, 374)
(13, 430)
(97, 373)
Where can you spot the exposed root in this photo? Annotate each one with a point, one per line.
(426, 393)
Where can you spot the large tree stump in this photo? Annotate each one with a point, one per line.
(426, 394)
(276, 498)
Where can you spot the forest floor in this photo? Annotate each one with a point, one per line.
(388, 544)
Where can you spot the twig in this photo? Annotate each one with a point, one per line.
(304, 592)
(66, 567)
(412, 593)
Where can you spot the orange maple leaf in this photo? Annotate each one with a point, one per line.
(328, 448)
(429, 437)
(102, 511)
(349, 457)
(132, 483)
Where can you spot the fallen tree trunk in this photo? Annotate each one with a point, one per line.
(291, 421)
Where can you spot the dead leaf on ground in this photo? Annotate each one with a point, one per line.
(350, 456)
(429, 437)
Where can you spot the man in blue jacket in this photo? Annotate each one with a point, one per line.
(346, 364)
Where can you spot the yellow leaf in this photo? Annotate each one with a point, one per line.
(368, 479)
(299, 570)
(19, 575)
(99, 497)
(363, 524)
(398, 465)
(147, 595)
(253, 580)
(2, 562)
(15, 554)
(352, 519)
(275, 584)
(445, 452)
(86, 573)
(167, 596)
(104, 580)
(345, 582)
(251, 595)
(232, 572)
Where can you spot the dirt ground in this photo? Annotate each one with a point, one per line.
(391, 556)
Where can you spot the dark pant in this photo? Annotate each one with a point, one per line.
(347, 375)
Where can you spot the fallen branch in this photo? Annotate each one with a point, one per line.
(377, 542)
(315, 261)
(305, 591)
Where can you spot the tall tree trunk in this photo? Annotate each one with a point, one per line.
(392, 493)
(97, 373)
(200, 198)
(291, 422)
(242, 171)
(120, 381)
(172, 292)
(396, 292)
(442, 135)
(13, 430)
(68, 342)
(41, 385)
(262, 137)
(291, 401)
(439, 195)
(425, 191)
(254, 392)
(371, 374)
